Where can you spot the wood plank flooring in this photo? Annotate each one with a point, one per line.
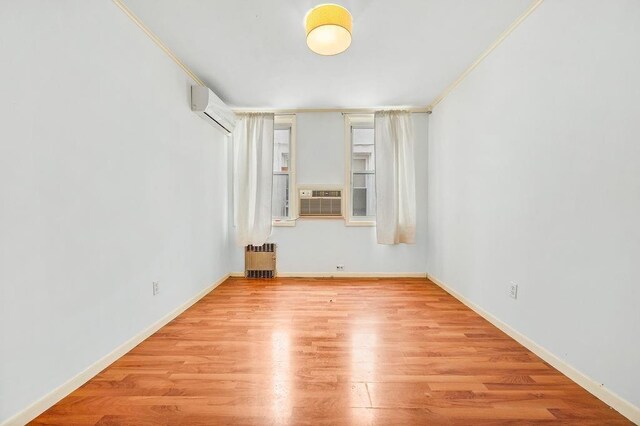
(300, 351)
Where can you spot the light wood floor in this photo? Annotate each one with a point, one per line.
(329, 351)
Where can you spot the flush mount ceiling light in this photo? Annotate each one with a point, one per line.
(328, 29)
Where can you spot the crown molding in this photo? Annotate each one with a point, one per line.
(348, 110)
(519, 20)
(157, 41)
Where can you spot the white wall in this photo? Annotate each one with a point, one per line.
(107, 182)
(535, 177)
(319, 245)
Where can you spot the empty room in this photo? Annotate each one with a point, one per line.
(289, 212)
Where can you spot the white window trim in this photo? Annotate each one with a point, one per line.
(350, 121)
(289, 120)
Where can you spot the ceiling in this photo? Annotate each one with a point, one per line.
(252, 53)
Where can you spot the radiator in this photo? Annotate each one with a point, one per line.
(260, 261)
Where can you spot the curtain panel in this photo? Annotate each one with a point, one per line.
(395, 178)
(252, 178)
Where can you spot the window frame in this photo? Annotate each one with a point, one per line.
(283, 121)
(352, 121)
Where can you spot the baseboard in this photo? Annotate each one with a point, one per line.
(44, 403)
(344, 274)
(616, 402)
(353, 274)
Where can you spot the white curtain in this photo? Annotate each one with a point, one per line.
(395, 178)
(252, 178)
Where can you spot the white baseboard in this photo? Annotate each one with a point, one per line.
(616, 402)
(47, 401)
(619, 404)
(344, 274)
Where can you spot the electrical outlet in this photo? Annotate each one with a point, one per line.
(156, 288)
(340, 268)
(513, 290)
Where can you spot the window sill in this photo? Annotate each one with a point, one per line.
(348, 222)
(284, 223)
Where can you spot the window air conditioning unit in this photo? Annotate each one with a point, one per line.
(320, 202)
(260, 261)
(210, 107)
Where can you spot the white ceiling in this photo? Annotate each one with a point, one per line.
(253, 53)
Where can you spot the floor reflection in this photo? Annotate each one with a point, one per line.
(363, 369)
(363, 355)
(280, 359)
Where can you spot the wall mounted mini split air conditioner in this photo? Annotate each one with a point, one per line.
(210, 107)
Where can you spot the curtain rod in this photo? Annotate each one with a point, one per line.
(341, 110)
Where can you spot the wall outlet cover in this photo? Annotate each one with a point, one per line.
(513, 290)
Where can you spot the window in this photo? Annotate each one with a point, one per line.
(283, 195)
(360, 185)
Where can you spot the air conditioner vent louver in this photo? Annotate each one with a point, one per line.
(209, 106)
(260, 261)
(326, 194)
(320, 203)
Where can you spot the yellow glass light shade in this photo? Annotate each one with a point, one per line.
(328, 29)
